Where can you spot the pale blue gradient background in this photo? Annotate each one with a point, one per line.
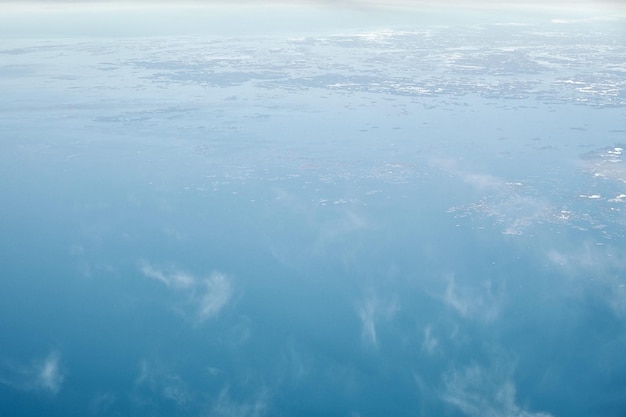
(349, 213)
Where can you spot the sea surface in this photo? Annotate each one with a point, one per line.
(423, 220)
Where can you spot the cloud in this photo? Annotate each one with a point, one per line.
(101, 404)
(430, 343)
(482, 302)
(367, 314)
(371, 311)
(346, 222)
(158, 378)
(592, 268)
(225, 406)
(296, 362)
(176, 279)
(217, 293)
(49, 376)
(329, 230)
(45, 375)
(482, 181)
(484, 392)
(520, 207)
(512, 205)
(205, 297)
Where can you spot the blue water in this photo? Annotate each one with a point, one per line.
(424, 221)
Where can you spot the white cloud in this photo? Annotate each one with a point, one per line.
(298, 363)
(45, 375)
(343, 223)
(176, 279)
(330, 232)
(367, 314)
(482, 181)
(217, 293)
(371, 311)
(101, 403)
(430, 343)
(593, 267)
(477, 180)
(145, 373)
(484, 392)
(513, 205)
(477, 302)
(205, 297)
(225, 406)
(158, 378)
(49, 376)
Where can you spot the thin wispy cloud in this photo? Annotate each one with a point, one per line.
(327, 227)
(481, 181)
(157, 378)
(45, 375)
(101, 403)
(482, 302)
(226, 406)
(298, 364)
(373, 310)
(514, 206)
(430, 343)
(50, 376)
(367, 314)
(333, 232)
(592, 268)
(175, 279)
(217, 292)
(485, 392)
(205, 297)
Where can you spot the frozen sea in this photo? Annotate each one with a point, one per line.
(419, 219)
